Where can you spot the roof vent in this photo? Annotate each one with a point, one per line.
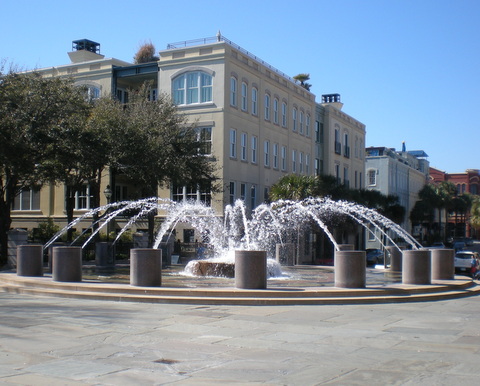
(87, 45)
(85, 50)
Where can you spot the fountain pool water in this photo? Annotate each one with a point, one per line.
(269, 225)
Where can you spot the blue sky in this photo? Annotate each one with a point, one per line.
(408, 69)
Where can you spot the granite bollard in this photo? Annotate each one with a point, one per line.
(350, 269)
(67, 264)
(145, 267)
(30, 260)
(416, 267)
(443, 264)
(251, 269)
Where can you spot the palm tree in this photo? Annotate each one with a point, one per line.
(302, 78)
(294, 187)
(475, 212)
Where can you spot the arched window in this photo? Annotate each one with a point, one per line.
(267, 107)
(275, 111)
(254, 101)
(233, 91)
(192, 87)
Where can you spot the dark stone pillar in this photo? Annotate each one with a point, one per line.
(346, 247)
(443, 264)
(251, 269)
(395, 259)
(67, 264)
(416, 267)
(285, 254)
(30, 260)
(146, 267)
(350, 269)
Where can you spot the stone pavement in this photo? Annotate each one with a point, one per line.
(53, 341)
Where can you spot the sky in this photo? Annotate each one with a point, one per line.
(408, 69)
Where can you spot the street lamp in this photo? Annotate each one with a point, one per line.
(108, 195)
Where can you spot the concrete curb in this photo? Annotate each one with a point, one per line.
(395, 293)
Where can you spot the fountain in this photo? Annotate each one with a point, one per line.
(268, 226)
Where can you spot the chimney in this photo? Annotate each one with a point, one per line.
(332, 99)
(85, 50)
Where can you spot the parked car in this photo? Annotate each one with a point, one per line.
(458, 246)
(374, 256)
(467, 262)
(437, 245)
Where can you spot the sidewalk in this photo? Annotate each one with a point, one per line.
(52, 341)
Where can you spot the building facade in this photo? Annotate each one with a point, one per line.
(401, 173)
(256, 122)
(466, 182)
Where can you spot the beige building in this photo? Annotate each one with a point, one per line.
(256, 122)
(343, 140)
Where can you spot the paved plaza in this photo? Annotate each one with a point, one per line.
(54, 341)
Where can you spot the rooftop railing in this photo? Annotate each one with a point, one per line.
(221, 38)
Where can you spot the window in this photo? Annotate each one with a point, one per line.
(371, 233)
(294, 161)
(294, 117)
(275, 111)
(284, 158)
(192, 87)
(27, 199)
(243, 191)
(204, 137)
(316, 167)
(233, 143)
(284, 114)
(232, 193)
(346, 179)
(267, 107)
(337, 173)
(307, 126)
(244, 97)
(233, 91)
(243, 144)
(300, 162)
(152, 94)
(346, 147)
(266, 152)
(83, 198)
(275, 155)
(307, 164)
(338, 145)
(301, 122)
(121, 192)
(92, 93)
(372, 177)
(122, 95)
(254, 149)
(186, 193)
(254, 101)
(356, 179)
(317, 132)
(253, 196)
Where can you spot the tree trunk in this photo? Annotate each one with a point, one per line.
(5, 222)
(6, 203)
(69, 207)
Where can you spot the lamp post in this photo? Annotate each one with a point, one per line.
(108, 195)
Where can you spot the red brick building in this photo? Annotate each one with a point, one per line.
(466, 182)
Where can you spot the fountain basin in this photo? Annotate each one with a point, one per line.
(211, 268)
